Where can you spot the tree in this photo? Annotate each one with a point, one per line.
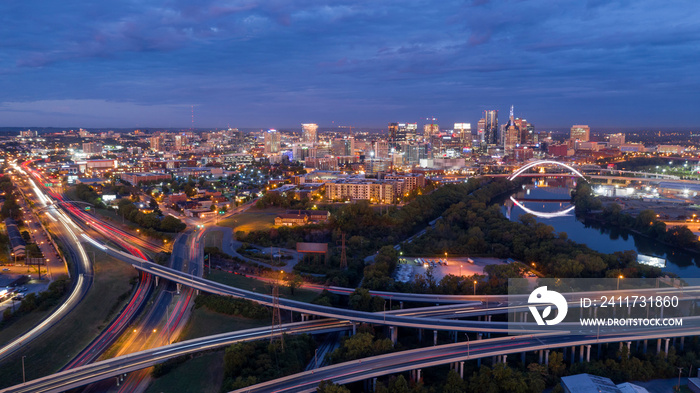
(330, 387)
(172, 224)
(454, 383)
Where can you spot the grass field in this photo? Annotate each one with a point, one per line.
(204, 322)
(252, 220)
(204, 373)
(64, 341)
(213, 239)
(251, 284)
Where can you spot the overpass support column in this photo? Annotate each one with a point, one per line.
(461, 370)
(374, 384)
(400, 305)
(644, 350)
(546, 357)
(580, 355)
(573, 354)
(629, 348)
(394, 334)
(354, 328)
(418, 378)
(667, 340)
(540, 351)
(505, 359)
(658, 346)
(522, 358)
(588, 353)
(179, 286)
(157, 280)
(434, 337)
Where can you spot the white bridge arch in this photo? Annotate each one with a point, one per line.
(544, 162)
(560, 213)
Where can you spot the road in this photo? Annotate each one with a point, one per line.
(397, 362)
(67, 231)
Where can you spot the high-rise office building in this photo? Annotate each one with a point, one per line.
(580, 133)
(309, 132)
(411, 131)
(430, 130)
(464, 133)
(480, 131)
(491, 136)
(272, 142)
(343, 146)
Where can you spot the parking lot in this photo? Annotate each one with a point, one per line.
(408, 268)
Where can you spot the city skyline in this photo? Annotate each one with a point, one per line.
(244, 64)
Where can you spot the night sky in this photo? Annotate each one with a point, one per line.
(277, 63)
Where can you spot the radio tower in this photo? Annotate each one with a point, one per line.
(343, 256)
(192, 127)
(276, 316)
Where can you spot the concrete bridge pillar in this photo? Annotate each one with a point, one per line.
(629, 348)
(573, 355)
(667, 340)
(420, 335)
(588, 353)
(580, 357)
(658, 346)
(179, 286)
(546, 357)
(540, 351)
(461, 370)
(374, 384)
(394, 334)
(418, 377)
(434, 337)
(522, 358)
(157, 280)
(644, 347)
(354, 328)
(505, 359)
(400, 305)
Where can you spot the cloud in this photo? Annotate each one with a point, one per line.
(389, 59)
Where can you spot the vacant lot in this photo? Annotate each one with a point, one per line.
(252, 220)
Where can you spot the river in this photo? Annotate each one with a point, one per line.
(551, 205)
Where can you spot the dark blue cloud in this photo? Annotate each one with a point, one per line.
(282, 62)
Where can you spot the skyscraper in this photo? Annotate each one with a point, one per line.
(309, 132)
(464, 133)
(393, 132)
(480, 131)
(491, 127)
(272, 142)
(580, 133)
(430, 130)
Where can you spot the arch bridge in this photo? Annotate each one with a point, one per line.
(545, 162)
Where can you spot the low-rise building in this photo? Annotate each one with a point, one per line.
(144, 177)
(302, 217)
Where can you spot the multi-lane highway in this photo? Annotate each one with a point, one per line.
(83, 266)
(397, 362)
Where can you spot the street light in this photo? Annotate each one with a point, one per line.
(618, 281)
(474, 287)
